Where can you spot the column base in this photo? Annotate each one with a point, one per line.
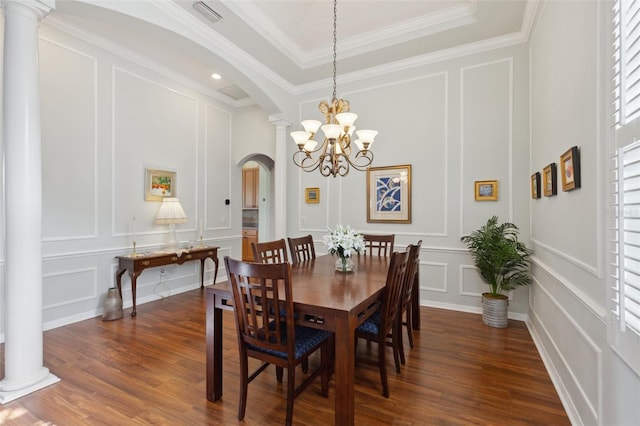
(8, 396)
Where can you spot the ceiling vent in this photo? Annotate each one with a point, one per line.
(209, 13)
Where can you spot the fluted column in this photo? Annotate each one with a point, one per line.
(24, 370)
(280, 179)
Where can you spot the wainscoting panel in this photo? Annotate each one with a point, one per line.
(217, 186)
(69, 166)
(568, 330)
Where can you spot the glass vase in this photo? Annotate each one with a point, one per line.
(344, 264)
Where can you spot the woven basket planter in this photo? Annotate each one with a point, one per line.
(494, 310)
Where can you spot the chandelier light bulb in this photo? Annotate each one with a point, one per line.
(331, 131)
(310, 145)
(300, 137)
(346, 119)
(367, 136)
(311, 126)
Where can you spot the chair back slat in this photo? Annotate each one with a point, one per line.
(412, 272)
(270, 251)
(263, 304)
(302, 249)
(393, 290)
(378, 245)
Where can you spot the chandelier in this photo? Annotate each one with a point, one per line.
(334, 153)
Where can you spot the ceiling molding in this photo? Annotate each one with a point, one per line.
(418, 61)
(452, 17)
(138, 59)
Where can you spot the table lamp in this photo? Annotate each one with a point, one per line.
(170, 213)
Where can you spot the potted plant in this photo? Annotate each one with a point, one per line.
(502, 262)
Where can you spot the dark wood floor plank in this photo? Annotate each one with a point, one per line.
(151, 370)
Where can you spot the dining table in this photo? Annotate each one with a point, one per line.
(324, 298)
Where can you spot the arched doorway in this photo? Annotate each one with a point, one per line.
(257, 188)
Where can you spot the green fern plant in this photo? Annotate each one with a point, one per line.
(502, 261)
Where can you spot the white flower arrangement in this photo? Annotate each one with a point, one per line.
(344, 241)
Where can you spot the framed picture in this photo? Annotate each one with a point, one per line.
(389, 194)
(486, 190)
(535, 185)
(159, 184)
(570, 169)
(550, 180)
(312, 195)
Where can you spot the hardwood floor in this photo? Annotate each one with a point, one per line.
(151, 370)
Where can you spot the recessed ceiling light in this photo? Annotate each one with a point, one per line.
(216, 76)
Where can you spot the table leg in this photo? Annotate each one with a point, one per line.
(119, 280)
(202, 273)
(214, 350)
(215, 272)
(134, 278)
(345, 371)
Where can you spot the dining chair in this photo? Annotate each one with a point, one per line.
(378, 245)
(266, 334)
(274, 252)
(302, 249)
(382, 323)
(406, 299)
(270, 251)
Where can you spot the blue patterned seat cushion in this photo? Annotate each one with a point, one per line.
(306, 338)
(371, 325)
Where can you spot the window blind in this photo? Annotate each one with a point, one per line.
(626, 61)
(626, 301)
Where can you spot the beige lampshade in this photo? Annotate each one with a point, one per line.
(170, 211)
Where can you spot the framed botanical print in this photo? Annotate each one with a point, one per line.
(389, 194)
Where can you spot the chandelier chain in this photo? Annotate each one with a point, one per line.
(335, 43)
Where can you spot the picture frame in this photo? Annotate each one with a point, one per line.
(570, 169)
(550, 180)
(159, 184)
(312, 195)
(389, 194)
(486, 190)
(535, 185)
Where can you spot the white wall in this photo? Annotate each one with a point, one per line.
(104, 120)
(455, 122)
(568, 304)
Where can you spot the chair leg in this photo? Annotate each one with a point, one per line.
(382, 365)
(305, 365)
(244, 384)
(398, 342)
(409, 327)
(291, 389)
(396, 345)
(279, 373)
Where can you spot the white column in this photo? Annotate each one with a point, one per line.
(280, 178)
(24, 370)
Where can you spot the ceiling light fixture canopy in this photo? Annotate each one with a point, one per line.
(334, 153)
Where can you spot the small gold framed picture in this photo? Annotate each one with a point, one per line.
(550, 180)
(535, 185)
(312, 195)
(486, 190)
(570, 169)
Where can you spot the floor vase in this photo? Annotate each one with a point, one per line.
(112, 308)
(495, 310)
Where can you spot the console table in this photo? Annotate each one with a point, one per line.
(136, 264)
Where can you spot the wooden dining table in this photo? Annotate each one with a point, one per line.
(323, 298)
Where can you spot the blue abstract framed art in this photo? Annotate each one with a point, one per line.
(389, 194)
